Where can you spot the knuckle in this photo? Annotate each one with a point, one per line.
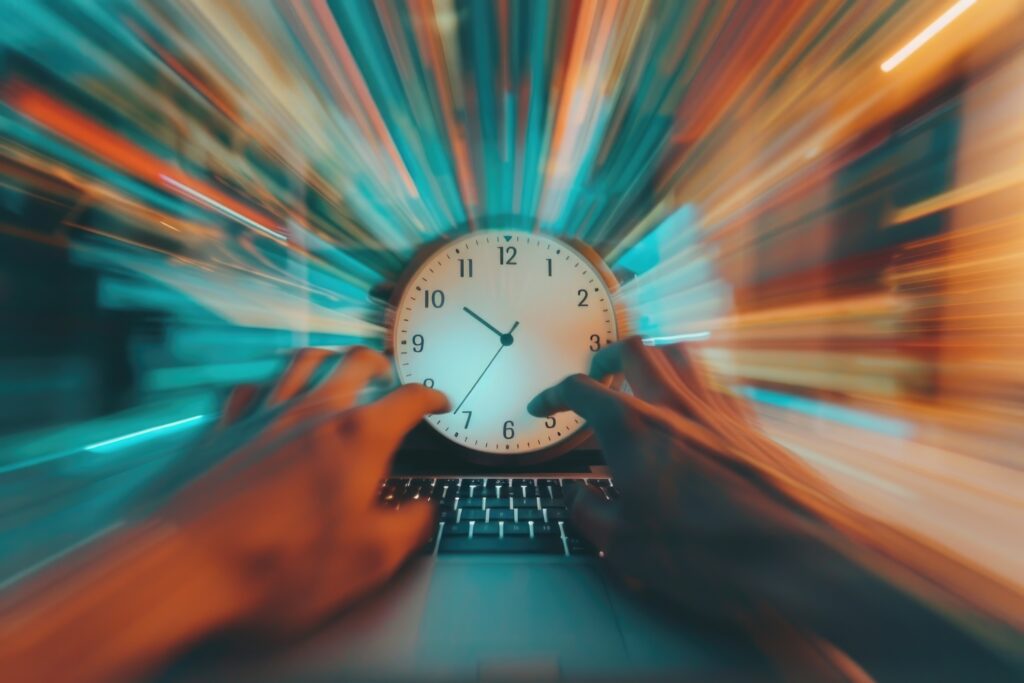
(352, 424)
(577, 382)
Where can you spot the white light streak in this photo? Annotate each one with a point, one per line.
(927, 34)
(675, 338)
(231, 213)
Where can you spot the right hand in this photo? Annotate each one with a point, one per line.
(705, 516)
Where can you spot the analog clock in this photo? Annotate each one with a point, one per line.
(491, 319)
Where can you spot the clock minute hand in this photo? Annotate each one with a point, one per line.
(506, 340)
(489, 364)
(483, 322)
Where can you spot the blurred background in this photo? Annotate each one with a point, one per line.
(825, 197)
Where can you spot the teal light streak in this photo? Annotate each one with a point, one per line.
(145, 434)
(829, 411)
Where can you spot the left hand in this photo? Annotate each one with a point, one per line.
(292, 517)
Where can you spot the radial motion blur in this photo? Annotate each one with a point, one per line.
(824, 197)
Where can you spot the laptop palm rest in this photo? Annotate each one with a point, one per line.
(494, 618)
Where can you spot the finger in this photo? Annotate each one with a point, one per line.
(596, 518)
(369, 436)
(683, 364)
(607, 361)
(357, 368)
(696, 377)
(584, 395)
(649, 374)
(240, 400)
(296, 377)
(402, 409)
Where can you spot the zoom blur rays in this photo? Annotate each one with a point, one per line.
(838, 233)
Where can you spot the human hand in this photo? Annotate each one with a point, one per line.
(292, 518)
(707, 514)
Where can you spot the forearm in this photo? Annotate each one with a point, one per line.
(132, 605)
(891, 633)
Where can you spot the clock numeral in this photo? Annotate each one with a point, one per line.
(428, 383)
(433, 298)
(549, 267)
(509, 429)
(595, 342)
(582, 294)
(469, 416)
(417, 343)
(507, 256)
(465, 267)
(550, 422)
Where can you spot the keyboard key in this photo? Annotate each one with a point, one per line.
(524, 482)
(546, 529)
(485, 529)
(477, 503)
(473, 515)
(524, 502)
(530, 515)
(517, 529)
(552, 502)
(420, 492)
(602, 483)
(448, 482)
(547, 545)
(550, 491)
(456, 529)
(502, 515)
(497, 482)
(485, 492)
(498, 503)
(549, 482)
(449, 515)
(556, 514)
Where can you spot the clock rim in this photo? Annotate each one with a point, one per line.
(487, 458)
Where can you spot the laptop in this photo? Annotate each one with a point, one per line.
(505, 590)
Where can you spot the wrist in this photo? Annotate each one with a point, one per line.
(825, 583)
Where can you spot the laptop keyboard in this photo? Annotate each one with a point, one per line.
(497, 515)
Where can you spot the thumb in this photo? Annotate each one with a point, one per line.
(595, 517)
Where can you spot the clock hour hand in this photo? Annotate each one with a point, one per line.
(506, 340)
(483, 322)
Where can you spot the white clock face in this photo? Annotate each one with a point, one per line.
(493, 318)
